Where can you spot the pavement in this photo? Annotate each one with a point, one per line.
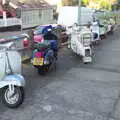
(73, 90)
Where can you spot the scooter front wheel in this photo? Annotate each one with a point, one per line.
(13, 100)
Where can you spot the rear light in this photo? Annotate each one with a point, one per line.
(25, 43)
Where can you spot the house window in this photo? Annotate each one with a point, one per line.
(18, 13)
(55, 14)
(40, 13)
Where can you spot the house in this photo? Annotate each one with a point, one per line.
(27, 14)
(10, 12)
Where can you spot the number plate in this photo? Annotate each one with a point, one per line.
(38, 61)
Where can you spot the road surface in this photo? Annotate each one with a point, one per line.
(72, 90)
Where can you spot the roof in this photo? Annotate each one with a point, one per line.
(29, 4)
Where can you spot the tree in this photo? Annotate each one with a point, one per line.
(105, 5)
(67, 2)
(118, 1)
(116, 6)
(85, 2)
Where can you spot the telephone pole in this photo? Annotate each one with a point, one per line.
(79, 12)
(79, 3)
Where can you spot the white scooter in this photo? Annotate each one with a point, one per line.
(81, 43)
(11, 80)
(111, 26)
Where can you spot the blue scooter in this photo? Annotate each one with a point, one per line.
(44, 55)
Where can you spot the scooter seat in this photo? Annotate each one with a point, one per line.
(41, 46)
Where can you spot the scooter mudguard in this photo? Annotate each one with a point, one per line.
(16, 79)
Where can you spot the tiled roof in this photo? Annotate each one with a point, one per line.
(31, 4)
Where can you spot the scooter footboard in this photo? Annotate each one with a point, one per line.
(16, 79)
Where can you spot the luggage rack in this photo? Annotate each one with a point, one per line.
(86, 39)
(7, 46)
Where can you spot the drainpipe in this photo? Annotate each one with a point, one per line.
(4, 14)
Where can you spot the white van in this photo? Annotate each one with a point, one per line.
(69, 15)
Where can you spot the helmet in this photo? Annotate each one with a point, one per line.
(49, 29)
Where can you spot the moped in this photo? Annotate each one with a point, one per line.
(11, 81)
(81, 40)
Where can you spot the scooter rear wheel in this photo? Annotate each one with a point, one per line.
(13, 100)
(42, 70)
